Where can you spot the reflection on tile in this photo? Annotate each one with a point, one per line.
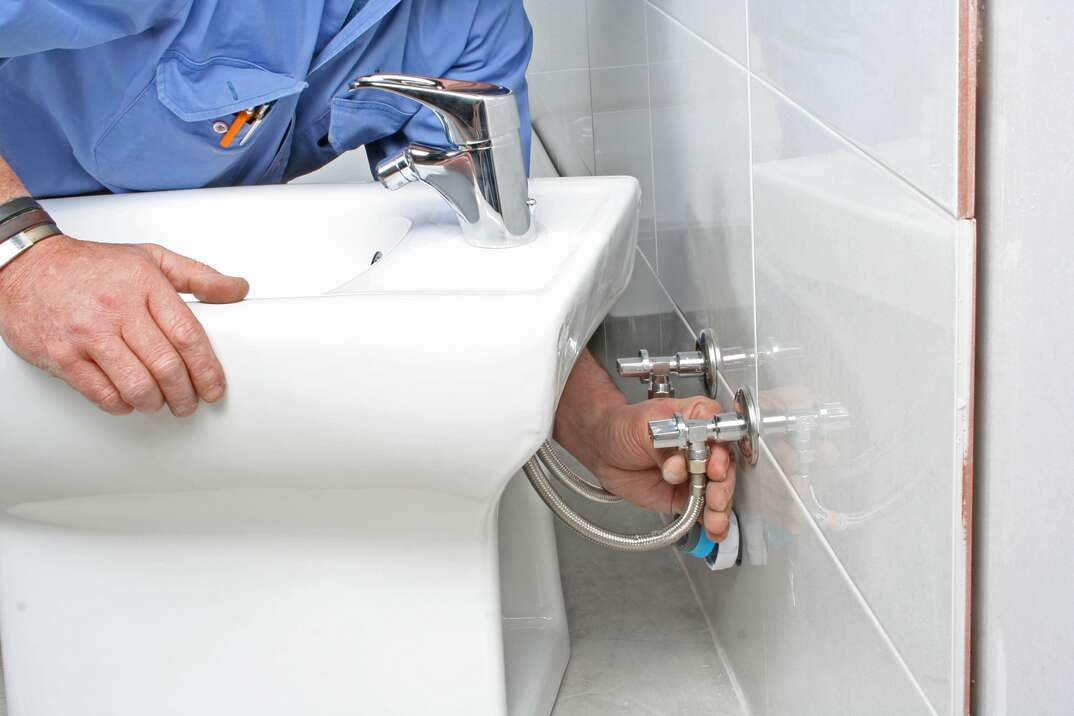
(701, 173)
(883, 74)
(822, 652)
(720, 22)
(563, 117)
(859, 272)
(639, 642)
(559, 35)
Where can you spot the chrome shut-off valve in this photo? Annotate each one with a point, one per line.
(693, 436)
(656, 372)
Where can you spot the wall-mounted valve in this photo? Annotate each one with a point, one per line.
(692, 436)
(656, 372)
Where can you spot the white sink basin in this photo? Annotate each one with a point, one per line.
(324, 540)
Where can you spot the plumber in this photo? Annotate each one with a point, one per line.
(149, 95)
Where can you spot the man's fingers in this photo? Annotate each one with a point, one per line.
(673, 469)
(126, 372)
(698, 407)
(89, 380)
(718, 497)
(164, 363)
(186, 334)
(719, 464)
(190, 276)
(717, 525)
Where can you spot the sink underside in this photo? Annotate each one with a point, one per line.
(341, 372)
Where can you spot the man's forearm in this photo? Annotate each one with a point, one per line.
(10, 185)
(588, 394)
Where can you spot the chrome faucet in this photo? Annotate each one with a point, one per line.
(483, 178)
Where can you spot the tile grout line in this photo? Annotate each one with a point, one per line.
(830, 551)
(854, 146)
(589, 88)
(753, 286)
(652, 147)
(841, 568)
(871, 615)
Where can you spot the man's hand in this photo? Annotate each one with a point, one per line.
(107, 319)
(596, 425)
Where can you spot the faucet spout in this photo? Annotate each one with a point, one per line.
(483, 177)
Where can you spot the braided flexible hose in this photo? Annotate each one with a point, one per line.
(658, 539)
(578, 484)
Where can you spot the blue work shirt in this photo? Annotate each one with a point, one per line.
(129, 95)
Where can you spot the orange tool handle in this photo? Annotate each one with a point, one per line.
(236, 126)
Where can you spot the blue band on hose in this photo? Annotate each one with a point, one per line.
(704, 546)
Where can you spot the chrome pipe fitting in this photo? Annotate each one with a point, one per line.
(656, 372)
(740, 427)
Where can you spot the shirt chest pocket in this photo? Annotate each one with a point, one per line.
(358, 122)
(168, 138)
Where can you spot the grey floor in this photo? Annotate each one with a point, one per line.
(640, 644)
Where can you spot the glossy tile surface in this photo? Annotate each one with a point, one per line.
(701, 173)
(851, 575)
(823, 654)
(562, 116)
(560, 40)
(616, 32)
(622, 136)
(882, 74)
(721, 23)
(860, 275)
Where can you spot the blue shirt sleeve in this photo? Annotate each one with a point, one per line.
(31, 26)
(498, 51)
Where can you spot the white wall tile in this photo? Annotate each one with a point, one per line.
(882, 74)
(796, 635)
(856, 282)
(622, 136)
(859, 272)
(559, 38)
(823, 653)
(616, 32)
(720, 22)
(701, 177)
(562, 115)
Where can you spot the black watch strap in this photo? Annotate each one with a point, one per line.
(17, 206)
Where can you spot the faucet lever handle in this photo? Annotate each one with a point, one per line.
(471, 112)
